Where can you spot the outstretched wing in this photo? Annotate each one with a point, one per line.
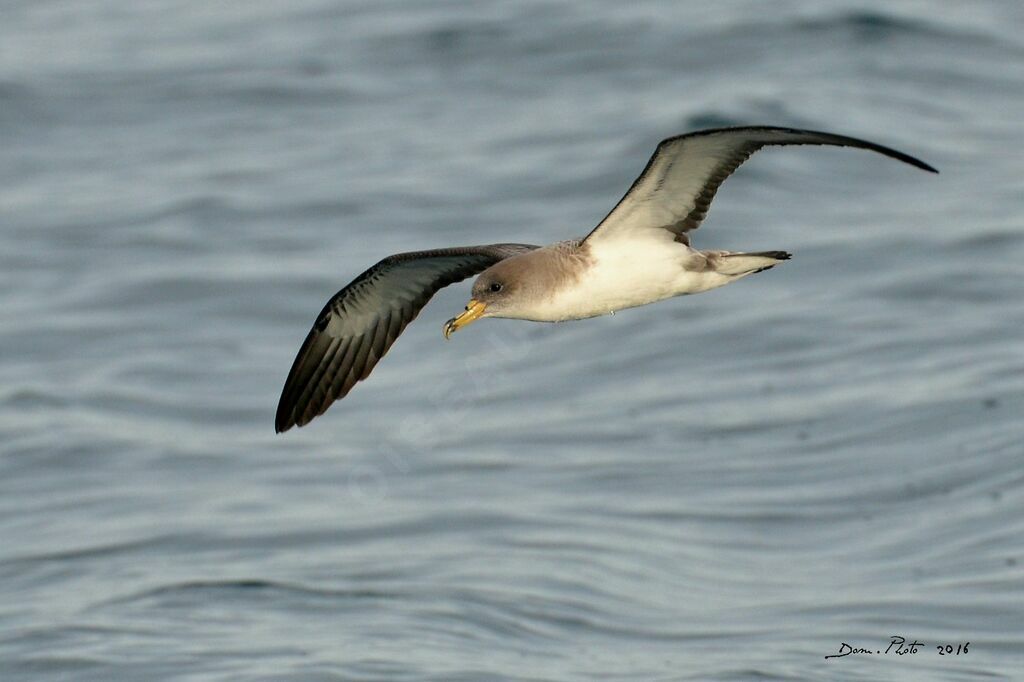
(674, 191)
(358, 325)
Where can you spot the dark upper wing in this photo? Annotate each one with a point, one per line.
(674, 191)
(359, 324)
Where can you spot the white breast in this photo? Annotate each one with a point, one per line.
(622, 274)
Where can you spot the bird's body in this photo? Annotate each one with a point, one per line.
(623, 274)
(616, 279)
(639, 254)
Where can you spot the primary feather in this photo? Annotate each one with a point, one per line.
(673, 193)
(361, 322)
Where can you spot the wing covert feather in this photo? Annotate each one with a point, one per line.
(361, 322)
(673, 193)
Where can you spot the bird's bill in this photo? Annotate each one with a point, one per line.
(474, 309)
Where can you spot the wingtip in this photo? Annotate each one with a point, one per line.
(906, 158)
(282, 423)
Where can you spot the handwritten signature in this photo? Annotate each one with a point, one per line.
(899, 646)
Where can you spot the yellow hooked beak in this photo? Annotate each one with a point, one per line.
(474, 309)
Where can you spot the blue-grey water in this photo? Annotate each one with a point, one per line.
(720, 487)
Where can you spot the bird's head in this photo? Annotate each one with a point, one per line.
(496, 293)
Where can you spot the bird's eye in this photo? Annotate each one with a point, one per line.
(495, 287)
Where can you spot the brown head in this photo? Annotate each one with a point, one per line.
(509, 288)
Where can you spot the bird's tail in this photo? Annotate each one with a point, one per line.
(738, 264)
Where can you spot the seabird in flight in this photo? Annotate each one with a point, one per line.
(640, 253)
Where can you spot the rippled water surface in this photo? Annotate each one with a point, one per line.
(726, 486)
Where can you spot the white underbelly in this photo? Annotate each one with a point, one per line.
(622, 278)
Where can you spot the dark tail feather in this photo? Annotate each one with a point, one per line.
(740, 264)
(777, 255)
